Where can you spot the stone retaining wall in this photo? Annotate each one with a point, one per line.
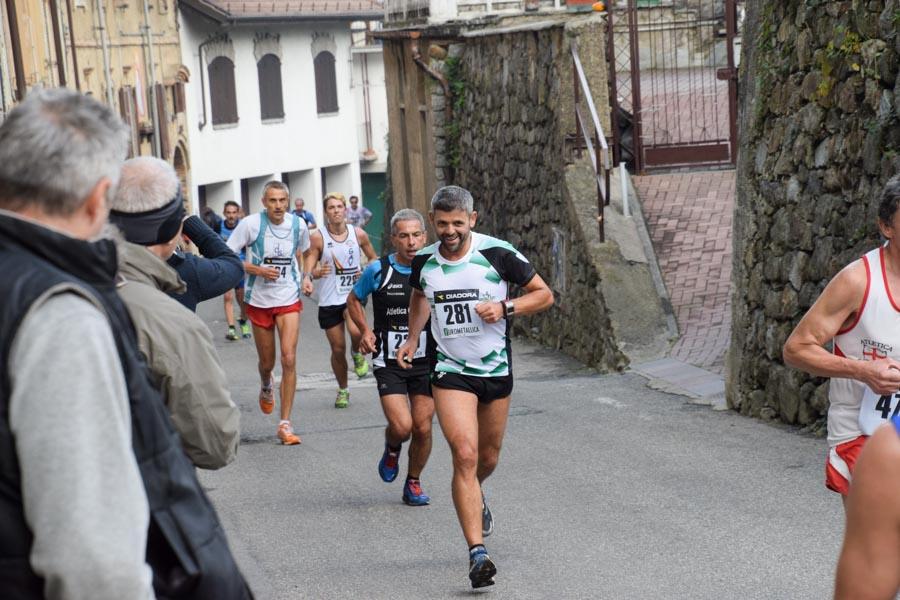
(819, 138)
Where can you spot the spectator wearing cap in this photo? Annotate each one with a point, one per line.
(148, 209)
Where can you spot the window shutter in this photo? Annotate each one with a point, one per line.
(326, 83)
(179, 97)
(222, 92)
(163, 114)
(270, 94)
(129, 115)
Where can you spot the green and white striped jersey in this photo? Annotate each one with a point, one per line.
(466, 344)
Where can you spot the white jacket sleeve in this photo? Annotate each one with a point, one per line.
(84, 498)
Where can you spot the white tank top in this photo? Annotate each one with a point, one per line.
(344, 258)
(855, 409)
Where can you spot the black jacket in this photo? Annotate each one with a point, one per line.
(217, 271)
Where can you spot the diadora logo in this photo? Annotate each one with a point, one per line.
(873, 350)
(456, 295)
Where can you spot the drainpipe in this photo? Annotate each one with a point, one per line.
(203, 122)
(369, 154)
(72, 42)
(16, 43)
(58, 45)
(417, 58)
(101, 16)
(154, 105)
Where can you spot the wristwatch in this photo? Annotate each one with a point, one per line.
(508, 308)
(309, 275)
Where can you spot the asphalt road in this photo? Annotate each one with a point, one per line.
(605, 489)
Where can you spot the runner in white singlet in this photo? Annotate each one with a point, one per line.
(275, 240)
(338, 248)
(858, 311)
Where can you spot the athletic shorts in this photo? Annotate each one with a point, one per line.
(394, 380)
(265, 317)
(240, 284)
(840, 464)
(329, 316)
(486, 389)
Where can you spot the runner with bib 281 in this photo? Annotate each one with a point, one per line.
(462, 284)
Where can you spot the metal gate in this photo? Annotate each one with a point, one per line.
(673, 82)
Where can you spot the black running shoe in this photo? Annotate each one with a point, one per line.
(487, 519)
(481, 570)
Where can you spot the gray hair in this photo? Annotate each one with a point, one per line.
(406, 214)
(147, 183)
(453, 197)
(55, 147)
(276, 185)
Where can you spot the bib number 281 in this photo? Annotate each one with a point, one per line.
(457, 314)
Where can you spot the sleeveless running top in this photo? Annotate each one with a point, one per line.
(390, 307)
(855, 409)
(344, 258)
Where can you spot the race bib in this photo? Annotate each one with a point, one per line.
(395, 339)
(875, 410)
(455, 312)
(283, 264)
(345, 280)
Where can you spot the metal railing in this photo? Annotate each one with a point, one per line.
(595, 141)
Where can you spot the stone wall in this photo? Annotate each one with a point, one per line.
(512, 156)
(819, 137)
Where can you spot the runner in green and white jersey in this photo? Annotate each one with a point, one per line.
(462, 284)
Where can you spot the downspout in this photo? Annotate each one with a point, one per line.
(72, 42)
(57, 43)
(369, 154)
(154, 105)
(202, 123)
(101, 16)
(16, 43)
(417, 58)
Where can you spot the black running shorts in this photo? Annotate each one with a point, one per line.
(394, 380)
(329, 316)
(486, 389)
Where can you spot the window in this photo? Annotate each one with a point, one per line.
(326, 83)
(270, 97)
(221, 91)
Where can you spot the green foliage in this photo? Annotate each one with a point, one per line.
(453, 71)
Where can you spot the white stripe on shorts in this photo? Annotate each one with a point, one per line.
(839, 464)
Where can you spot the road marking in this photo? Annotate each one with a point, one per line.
(609, 402)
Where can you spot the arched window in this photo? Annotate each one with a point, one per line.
(270, 97)
(221, 91)
(326, 83)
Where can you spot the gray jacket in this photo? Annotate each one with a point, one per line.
(179, 350)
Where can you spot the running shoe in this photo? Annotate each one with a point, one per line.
(232, 335)
(245, 329)
(287, 436)
(487, 519)
(267, 398)
(481, 569)
(413, 494)
(388, 466)
(360, 366)
(343, 399)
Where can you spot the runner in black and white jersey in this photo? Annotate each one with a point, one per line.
(339, 249)
(275, 240)
(462, 284)
(405, 394)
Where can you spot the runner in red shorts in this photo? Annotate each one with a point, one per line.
(859, 312)
(275, 240)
